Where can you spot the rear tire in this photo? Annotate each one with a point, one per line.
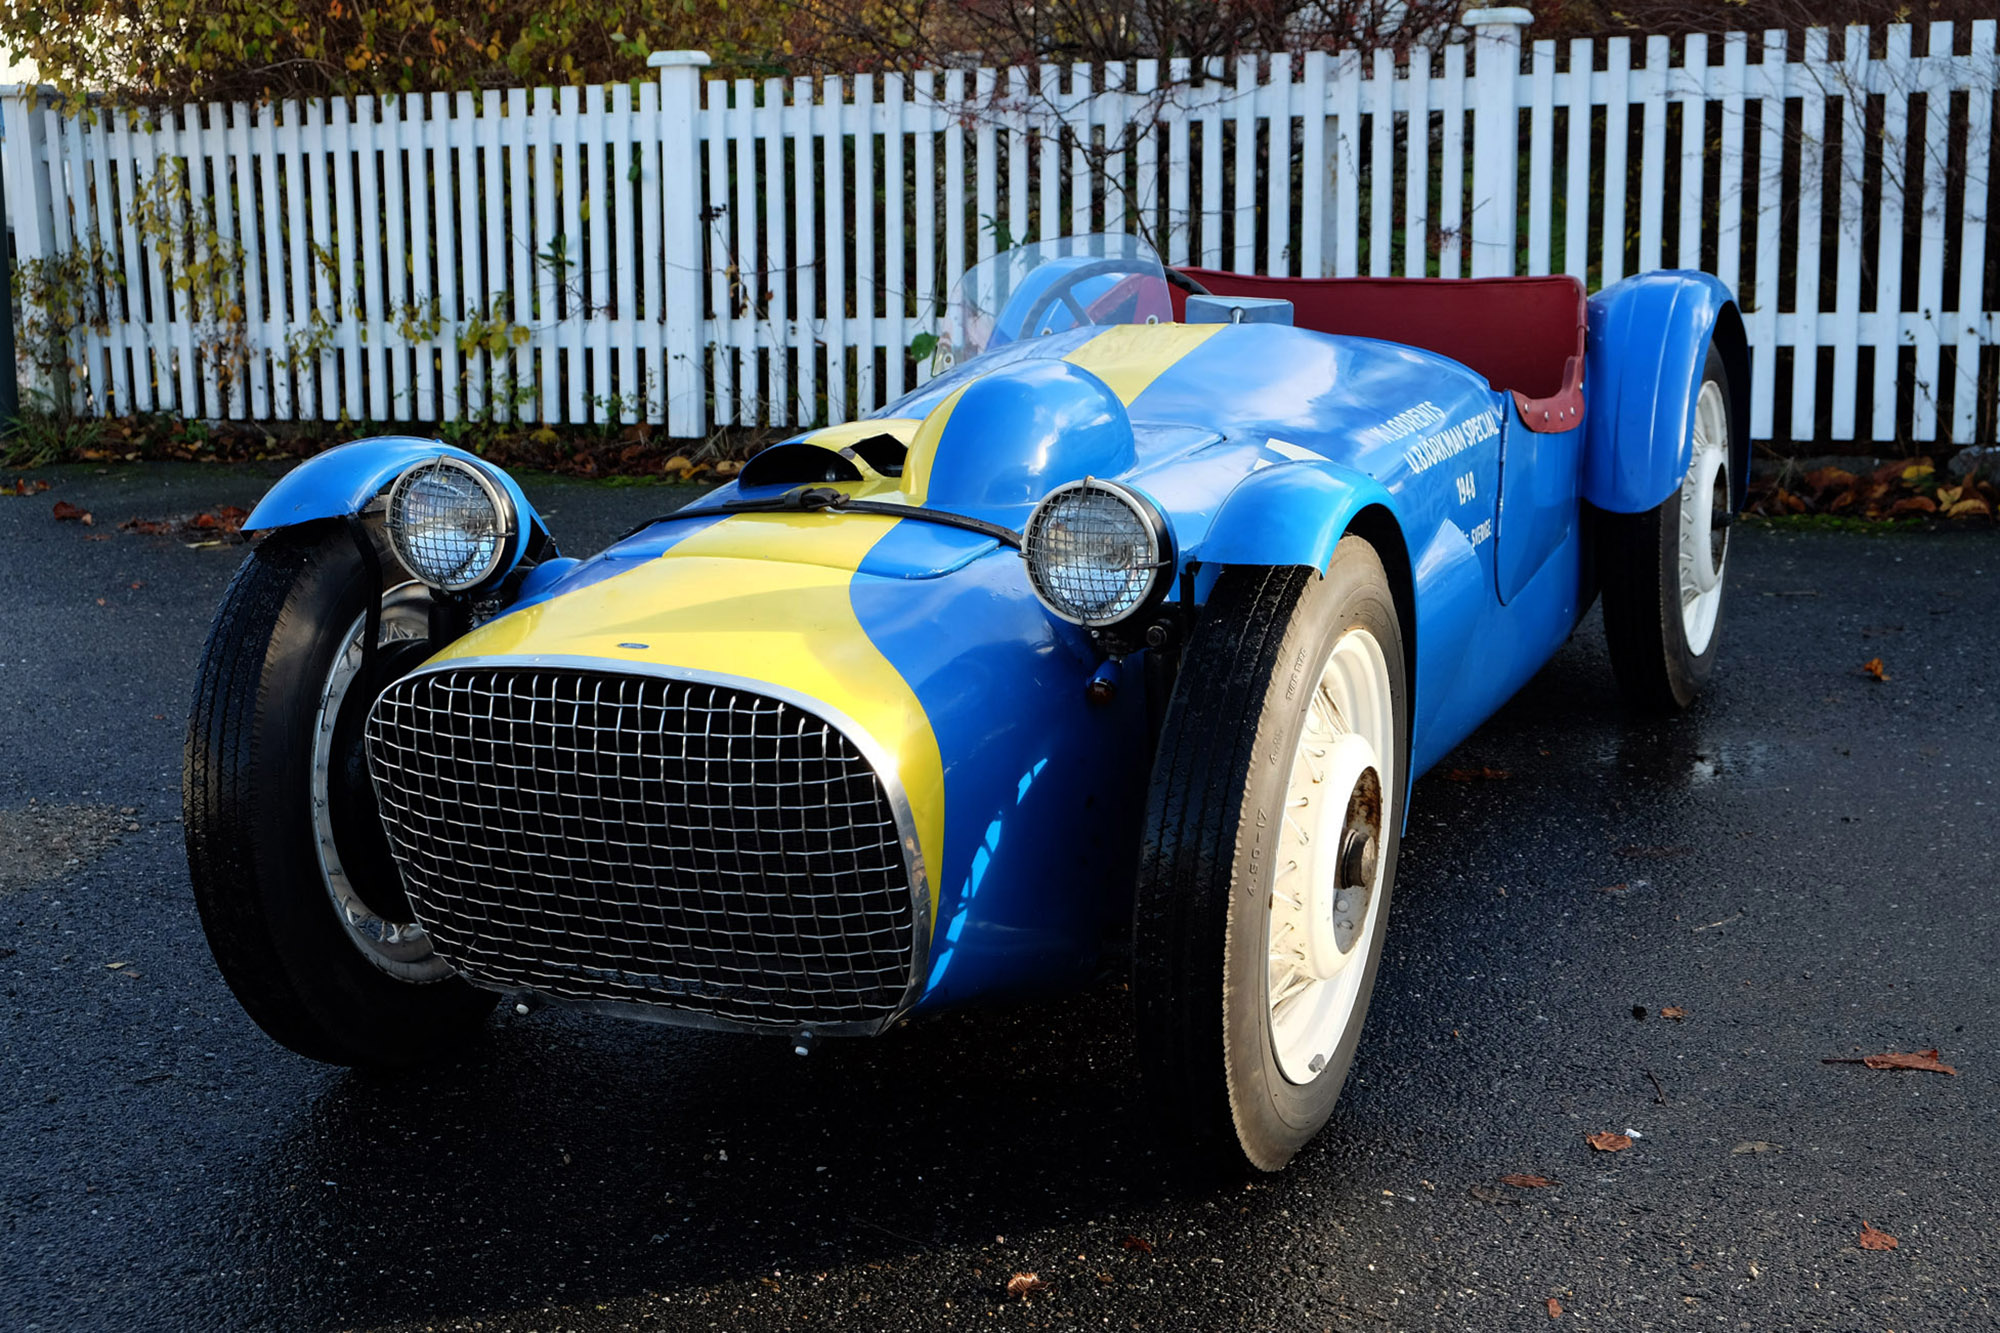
(1259, 920)
(265, 848)
(1662, 571)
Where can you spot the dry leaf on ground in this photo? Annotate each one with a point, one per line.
(1526, 1182)
(1481, 774)
(1021, 1284)
(68, 513)
(1923, 1061)
(1874, 670)
(1605, 1141)
(1139, 1243)
(1871, 1239)
(1555, 1308)
(1674, 1012)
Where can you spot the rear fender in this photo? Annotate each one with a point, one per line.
(345, 478)
(1649, 337)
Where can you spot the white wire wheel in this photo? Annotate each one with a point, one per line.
(1270, 855)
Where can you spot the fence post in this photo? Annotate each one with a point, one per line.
(680, 240)
(33, 202)
(1496, 140)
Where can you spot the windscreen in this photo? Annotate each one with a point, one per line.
(1047, 287)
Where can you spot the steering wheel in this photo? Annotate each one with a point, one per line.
(1064, 288)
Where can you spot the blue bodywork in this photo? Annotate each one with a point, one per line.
(1263, 445)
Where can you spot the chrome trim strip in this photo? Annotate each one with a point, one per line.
(870, 749)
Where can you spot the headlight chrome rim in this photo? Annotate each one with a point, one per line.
(463, 577)
(1154, 569)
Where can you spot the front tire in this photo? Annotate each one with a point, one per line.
(1270, 854)
(291, 874)
(1663, 569)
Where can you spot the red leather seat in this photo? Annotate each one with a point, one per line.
(1525, 335)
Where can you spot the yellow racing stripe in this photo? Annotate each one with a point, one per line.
(1129, 357)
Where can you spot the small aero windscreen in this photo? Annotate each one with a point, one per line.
(1049, 287)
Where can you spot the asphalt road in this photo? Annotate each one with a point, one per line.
(1805, 864)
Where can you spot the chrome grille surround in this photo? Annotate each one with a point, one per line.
(672, 845)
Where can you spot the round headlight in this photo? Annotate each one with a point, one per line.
(1097, 552)
(449, 524)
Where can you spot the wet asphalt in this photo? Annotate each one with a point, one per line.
(1805, 865)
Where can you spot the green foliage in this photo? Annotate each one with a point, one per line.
(47, 431)
(194, 50)
(58, 297)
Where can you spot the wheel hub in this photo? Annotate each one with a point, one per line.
(1337, 897)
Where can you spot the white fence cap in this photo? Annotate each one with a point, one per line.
(667, 59)
(1505, 14)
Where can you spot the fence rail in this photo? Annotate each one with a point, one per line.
(702, 253)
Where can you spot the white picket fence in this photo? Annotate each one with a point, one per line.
(703, 253)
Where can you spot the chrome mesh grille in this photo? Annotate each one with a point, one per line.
(597, 836)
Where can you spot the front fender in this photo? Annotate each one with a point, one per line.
(1289, 514)
(1649, 337)
(345, 478)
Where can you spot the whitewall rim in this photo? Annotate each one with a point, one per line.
(1328, 878)
(1704, 545)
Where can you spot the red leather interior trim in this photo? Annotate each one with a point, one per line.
(1525, 335)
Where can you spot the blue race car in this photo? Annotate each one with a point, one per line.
(1124, 637)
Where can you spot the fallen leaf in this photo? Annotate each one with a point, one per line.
(1874, 669)
(137, 584)
(1485, 1193)
(1674, 1012)
(100, 601)
(1619, 887)
(1139, 1243)
(1871, 1239)
(1925, 1061)
(114, 966)
(1021, 1284)
(148, 527)
(1481, 774)
(1605, 1141)
(1913, 504)
(1555, 1308)
(1524, 1182)
(68, 513)
(1972, 504)
(728, 467)
(1755, 1145)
